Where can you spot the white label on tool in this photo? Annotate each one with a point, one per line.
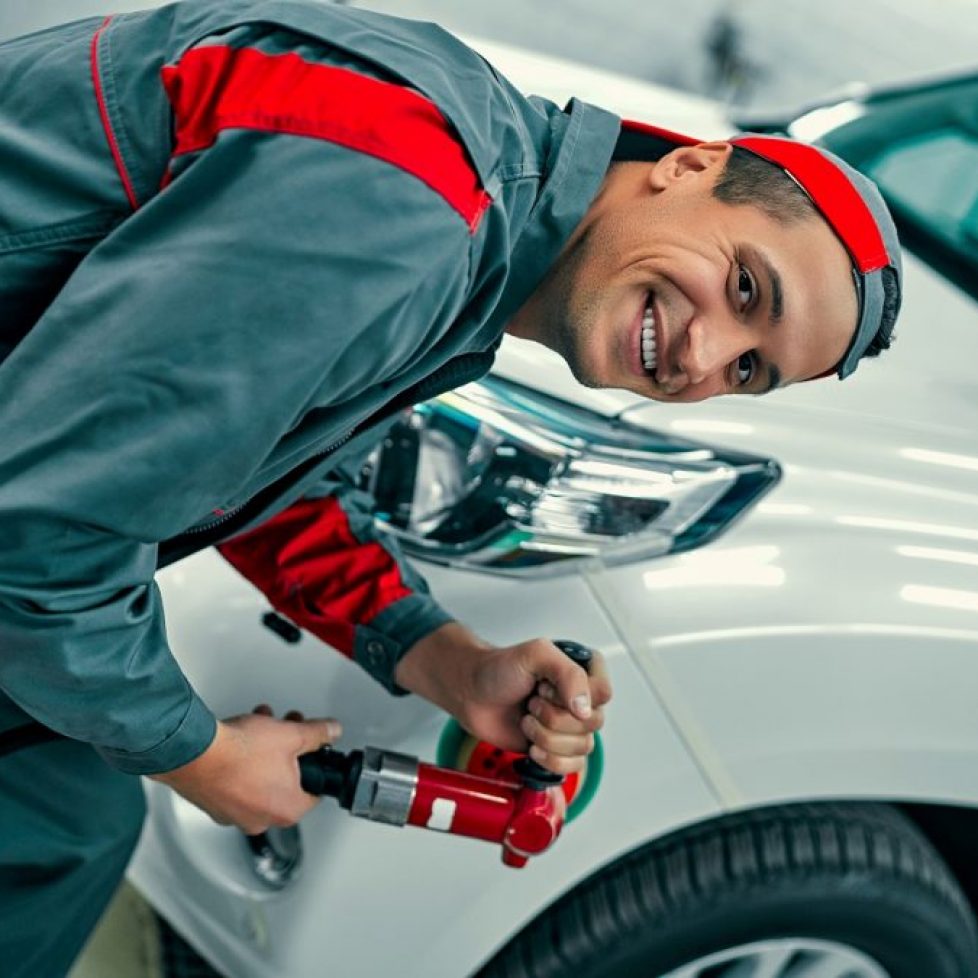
(442, 814)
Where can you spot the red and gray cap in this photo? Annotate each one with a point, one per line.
(852, 206)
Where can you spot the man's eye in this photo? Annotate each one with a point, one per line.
(745, 368)
(745, 287)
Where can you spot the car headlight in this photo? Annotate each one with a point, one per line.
(501, 478)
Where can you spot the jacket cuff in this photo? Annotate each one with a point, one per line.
(191, 738)
(380, 645)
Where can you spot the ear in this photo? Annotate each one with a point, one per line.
(686, 161)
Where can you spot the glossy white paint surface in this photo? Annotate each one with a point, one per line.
(560, 80)
(828, 645)
(452, 900)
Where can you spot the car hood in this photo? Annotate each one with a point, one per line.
(893, 450)
(923, 391)
(560, 80)
(890, 456)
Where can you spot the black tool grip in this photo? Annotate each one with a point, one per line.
(535, 775)
(315, 777)
(331, 772)
(578, 653)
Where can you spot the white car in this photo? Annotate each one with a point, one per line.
(786, 591)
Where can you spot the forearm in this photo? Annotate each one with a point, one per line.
(491, 690)
(324, 565)
(84, 647)
(439, 666)
(209, 766)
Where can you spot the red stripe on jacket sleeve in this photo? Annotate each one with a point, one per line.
(213, 88)
(107, 122)
(312, 569)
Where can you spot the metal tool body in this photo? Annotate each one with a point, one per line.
(385, 786)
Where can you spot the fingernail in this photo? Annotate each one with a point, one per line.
(528, 724)
(538, 754)
(334, 730)
(582, 706)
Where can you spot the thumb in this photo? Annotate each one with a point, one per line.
(317, 733)
(571, 681)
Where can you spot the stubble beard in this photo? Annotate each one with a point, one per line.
(575, 313)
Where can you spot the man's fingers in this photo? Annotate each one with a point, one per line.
(556, 718)
(317, 733)
(547, 691)
(558, 744)
(564, 683)
(556, 763)
(599, 680)
(556, 671)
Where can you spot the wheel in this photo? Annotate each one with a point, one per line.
(180, 960)
(802, 891)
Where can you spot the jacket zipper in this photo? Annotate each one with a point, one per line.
(170, 550)
(231, 513)
(223, 518)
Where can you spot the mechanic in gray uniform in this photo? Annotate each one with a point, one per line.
(237, 237)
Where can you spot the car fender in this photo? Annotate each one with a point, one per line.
(837, 658)
(361, 881)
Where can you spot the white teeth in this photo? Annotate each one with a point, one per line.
(648, 339)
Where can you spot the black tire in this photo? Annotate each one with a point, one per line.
(859, 875)
(180, 960)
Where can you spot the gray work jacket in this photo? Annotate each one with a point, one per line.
(202, 312)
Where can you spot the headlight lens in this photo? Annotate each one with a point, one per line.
(501, 478)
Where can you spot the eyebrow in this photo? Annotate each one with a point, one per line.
(775, 315)
(773, 380)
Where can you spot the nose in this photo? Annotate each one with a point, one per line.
(712, 343)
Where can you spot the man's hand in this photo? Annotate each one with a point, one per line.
(249, 776)
(490, 690)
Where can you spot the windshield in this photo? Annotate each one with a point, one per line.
(921, 147)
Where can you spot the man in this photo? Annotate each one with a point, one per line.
(236, 238)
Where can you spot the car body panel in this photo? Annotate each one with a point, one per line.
(560, 80)
(880, 487)
(359, 875)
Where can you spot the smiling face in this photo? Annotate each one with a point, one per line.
(669, 292)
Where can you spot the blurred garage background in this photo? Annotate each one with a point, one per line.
(759, 53)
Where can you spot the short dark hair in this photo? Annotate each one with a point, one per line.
(749, 179)
(891, 306)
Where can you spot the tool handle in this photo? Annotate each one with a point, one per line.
(576, 652)
(331, 772)
(535, 775)
(314, 776)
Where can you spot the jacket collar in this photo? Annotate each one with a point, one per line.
(576, 167)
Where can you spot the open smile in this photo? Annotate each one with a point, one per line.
(646, 341)
(649, 343)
